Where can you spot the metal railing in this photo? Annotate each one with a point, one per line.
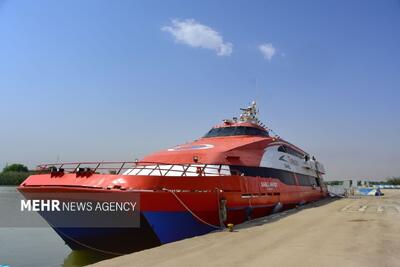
(137, 168)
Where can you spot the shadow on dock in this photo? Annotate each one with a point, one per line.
(85, 257)
(283, 214)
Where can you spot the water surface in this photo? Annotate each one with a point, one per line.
(27, 247)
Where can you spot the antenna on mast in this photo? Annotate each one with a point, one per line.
(250, 113)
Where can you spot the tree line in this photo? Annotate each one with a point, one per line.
(14, 174)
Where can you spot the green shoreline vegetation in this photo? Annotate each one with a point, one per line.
(15, 174)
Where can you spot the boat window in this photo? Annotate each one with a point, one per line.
(306, 180)
(287, 178)
(291, 151)
(282, 149)
(238, 130)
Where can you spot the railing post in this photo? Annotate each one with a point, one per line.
(79, 164)
(168, 170)
(123, 164)
(97, 166)
(185, 170)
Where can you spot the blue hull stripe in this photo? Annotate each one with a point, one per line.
(173, 226)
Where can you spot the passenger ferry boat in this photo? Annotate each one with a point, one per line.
(235, 173)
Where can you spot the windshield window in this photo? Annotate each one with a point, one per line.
(238, 130)
(286, 149)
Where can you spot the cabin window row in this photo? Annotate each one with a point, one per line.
(239, 130)
(285, 177)
(307, 180)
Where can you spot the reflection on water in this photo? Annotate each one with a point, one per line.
(82, 258)
(26, 247)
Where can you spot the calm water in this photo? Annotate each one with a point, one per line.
(23, 247)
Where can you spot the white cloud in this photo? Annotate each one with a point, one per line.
(268, 50)
(195, 34)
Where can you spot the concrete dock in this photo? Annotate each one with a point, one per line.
(362, 231)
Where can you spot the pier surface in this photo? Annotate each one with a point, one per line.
(362, 231)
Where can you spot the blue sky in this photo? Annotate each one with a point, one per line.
(115, 80)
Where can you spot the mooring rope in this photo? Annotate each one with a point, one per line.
(191, 212)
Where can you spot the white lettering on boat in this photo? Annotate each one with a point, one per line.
(269, 185)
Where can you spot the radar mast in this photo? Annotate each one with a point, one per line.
(249, 114)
